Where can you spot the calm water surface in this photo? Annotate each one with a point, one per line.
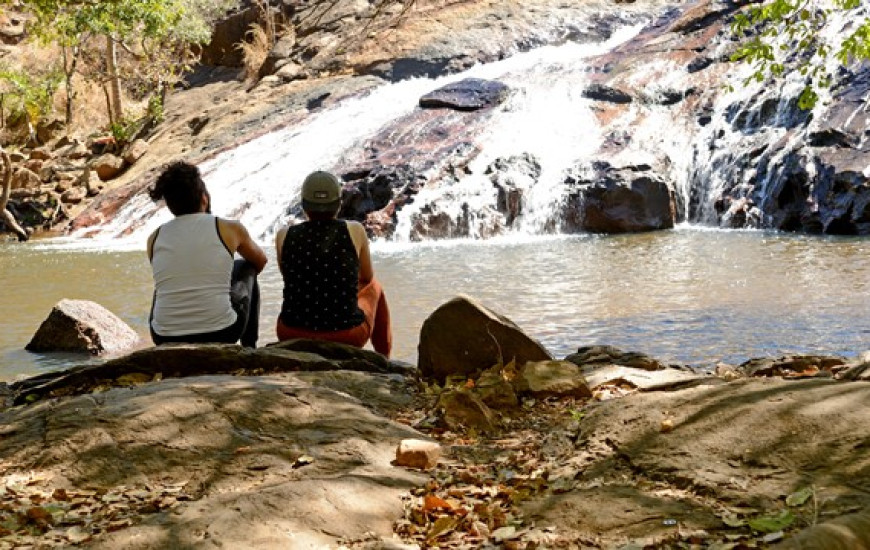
(689, 295)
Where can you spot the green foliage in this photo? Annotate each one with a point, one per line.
(780, 35)
(30, 94)
(772, 523)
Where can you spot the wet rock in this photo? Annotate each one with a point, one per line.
(462, 337)
(85, 327)
(596, 356)
(135, 151)
(552, 379)
(451, 219)
(513, 177)
(602, 92)
(620, 198)
(791, 365)
(418, 453)
(469, 94)
(463, 410)
(427, 146)
(107, 166)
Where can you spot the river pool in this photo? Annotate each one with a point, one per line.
(690, 295)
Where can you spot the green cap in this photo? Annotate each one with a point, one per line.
(321, 192)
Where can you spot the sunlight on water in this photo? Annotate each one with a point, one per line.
(690, 295)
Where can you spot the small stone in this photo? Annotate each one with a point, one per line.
(418, 453)
(108, 166)
(135, 151)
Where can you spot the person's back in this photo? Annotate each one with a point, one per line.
(330, 292)
(201, 293)
(320, 292)
(192, 269)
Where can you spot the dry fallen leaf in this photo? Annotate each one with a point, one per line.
(432, 502)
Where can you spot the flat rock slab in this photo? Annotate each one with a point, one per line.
(734, 449)
(294, 460)
(644, 380)
(469, 94)
(182, 360)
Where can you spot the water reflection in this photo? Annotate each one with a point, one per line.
(689, 295)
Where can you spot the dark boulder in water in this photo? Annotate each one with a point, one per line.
(469, 94)
(613, 198)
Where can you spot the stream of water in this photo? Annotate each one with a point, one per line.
(690, 295)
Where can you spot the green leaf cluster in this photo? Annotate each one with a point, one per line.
(29, 94)
(781, 35)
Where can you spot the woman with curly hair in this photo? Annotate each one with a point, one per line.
(202, 293)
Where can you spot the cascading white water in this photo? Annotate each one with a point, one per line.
(546, 116)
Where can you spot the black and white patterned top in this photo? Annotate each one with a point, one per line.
(321, 273)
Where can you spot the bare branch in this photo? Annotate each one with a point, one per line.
(5, 215)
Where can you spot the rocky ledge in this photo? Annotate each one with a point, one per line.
(308, 444)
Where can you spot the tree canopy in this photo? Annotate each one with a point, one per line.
(803, 35)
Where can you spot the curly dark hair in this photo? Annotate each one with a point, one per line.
(181, 186)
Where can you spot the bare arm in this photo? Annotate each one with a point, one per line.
(150, 246)
(361, 242)
(238, 240)
(279, 243)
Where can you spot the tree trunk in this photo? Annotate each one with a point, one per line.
(6, 216)
(70, 60)
(117, 111)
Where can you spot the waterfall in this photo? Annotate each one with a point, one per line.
(731, 154)
(258, 182)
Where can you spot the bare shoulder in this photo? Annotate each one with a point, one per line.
(355, 227)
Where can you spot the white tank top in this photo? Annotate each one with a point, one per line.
(192, 270)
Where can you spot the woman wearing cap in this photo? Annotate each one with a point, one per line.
(201, 294)
(330, 292)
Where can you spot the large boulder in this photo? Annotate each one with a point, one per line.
(620, 198)
(83, 326)
(462, 337)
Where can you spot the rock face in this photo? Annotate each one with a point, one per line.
(233, 450)
(620, 199)
(83, 326)
(462, 337)
(183, 360)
